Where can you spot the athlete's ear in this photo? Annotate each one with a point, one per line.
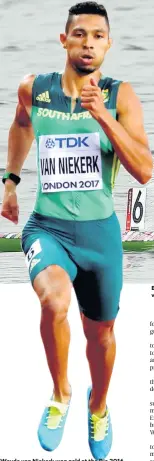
(63, 40)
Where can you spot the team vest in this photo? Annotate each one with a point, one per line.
(77, 165)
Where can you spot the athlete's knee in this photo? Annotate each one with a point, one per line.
(106, 336)
(55, 296)
(54, 305)
(100, 332)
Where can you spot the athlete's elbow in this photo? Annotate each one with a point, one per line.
(146, 168)
(145, 171)
(144, 179)
(145, 175)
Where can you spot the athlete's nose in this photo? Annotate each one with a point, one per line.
(88, 43)
(88, 47)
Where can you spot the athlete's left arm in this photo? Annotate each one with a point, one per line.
(127, 135)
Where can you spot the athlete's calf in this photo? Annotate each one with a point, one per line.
(100, 351)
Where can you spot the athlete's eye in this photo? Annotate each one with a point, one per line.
(78, 34)
(99, 36)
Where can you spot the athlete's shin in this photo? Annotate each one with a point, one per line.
(54, 290)
(101, 349)
(56, 338)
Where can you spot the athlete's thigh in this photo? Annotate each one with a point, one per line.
(98, 286)
(43, 250)
(53, 288)
(98, 292)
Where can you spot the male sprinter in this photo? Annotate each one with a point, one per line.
(85, 124)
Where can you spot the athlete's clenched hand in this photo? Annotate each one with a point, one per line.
(10, 209)
(92, 100)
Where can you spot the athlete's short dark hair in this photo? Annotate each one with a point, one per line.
(86, 8)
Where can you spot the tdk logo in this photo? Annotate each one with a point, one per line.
(69, 142)
(50, 143)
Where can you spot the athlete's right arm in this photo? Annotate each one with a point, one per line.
(21, 136)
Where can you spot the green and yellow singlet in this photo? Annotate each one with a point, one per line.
(77, 165)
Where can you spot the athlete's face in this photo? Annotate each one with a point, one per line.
(87, 42)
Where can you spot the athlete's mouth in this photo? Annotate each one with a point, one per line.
(87, 58)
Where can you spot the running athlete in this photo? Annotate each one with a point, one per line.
(85, 124)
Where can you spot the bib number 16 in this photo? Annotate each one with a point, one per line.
(136, 209)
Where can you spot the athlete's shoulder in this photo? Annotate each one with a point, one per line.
(45, 78)
(126, 97)
(125, 89)
(31, 83)
(25, 89)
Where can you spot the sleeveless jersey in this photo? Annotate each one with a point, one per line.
(77, 165)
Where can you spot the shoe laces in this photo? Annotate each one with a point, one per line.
(55, 414)
(99, 426)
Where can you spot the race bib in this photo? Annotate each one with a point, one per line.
(70, 162)
(33, 251)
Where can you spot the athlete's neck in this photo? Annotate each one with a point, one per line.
(72, 82)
